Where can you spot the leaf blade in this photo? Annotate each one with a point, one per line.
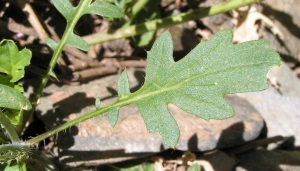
(65, 8)
(11, 98)
(77, 42)
(12, 61)
(104, 9)
(198, 82)
(113, 115)
(123, 85)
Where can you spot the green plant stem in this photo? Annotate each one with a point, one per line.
(58, 50)
(70, 27)
(137, 7)
(68, 125)
(12, 133)
(166, 22)
(119, 103)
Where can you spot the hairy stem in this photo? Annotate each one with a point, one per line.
(137, 7)
(56, 54)
(67, 125)
(166, 22)
(13, 135)
(119, 103)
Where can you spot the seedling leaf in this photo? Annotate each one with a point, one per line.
(12, 62)
(12, 99)
(198, 82)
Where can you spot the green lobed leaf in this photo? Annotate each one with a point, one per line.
(198, 82)
(104, 9)
(12, 62)
(12, 99)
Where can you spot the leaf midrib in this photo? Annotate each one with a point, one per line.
(140, 94)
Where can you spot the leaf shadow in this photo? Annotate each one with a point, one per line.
(230, 137)
(63, 109)
(284, 18)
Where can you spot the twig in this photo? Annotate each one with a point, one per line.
(33, 20)
(99, 69)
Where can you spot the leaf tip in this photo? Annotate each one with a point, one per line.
(123, 85)
(113, 115)
(98, 103)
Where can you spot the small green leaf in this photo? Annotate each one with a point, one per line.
(12, 62)
(65, 8)
(198, 82)
(194, 167)
(113, 115)
(77, 42)
(15, 116)
(98, 103)
(12, 99)
(104, 9)
(123, 85)
(6, 80)
(51, 43)
(123, 91)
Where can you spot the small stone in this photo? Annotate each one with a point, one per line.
(284, 81)
(281, 113)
